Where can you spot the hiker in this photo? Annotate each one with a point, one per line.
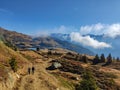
(33, 69)
(29, 70)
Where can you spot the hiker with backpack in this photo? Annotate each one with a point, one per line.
(31, 70)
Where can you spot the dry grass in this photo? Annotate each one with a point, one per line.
(6, 53)
(30, 54)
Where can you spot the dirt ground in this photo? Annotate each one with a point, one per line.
(40, 80)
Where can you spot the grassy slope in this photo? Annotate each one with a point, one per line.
(6, 53)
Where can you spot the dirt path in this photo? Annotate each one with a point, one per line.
(41, 80)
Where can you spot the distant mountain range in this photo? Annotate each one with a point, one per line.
(26, 41)
(58, 40)
(114, 42)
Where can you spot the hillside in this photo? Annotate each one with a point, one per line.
(14, 37)
(55, 68)
(50, 42)
(20, 80)
(7, 77)
(46, 77)
(114, 42)
(69, 75)
(24, 41)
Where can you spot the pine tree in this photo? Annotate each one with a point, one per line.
(102, 58)
(117, 59)
(96, 60)
(85, 59)
(109, 59)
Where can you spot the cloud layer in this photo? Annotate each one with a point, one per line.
(108, 30)
(88, 41)
(112, 30)
(61, 29)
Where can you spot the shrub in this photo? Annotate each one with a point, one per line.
(85, 59)
(13, 64)
(49, 53)
(88, 82)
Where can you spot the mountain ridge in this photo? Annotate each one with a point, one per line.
(23, 41)
(114, 50)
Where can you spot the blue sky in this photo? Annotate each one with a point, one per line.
(33, 16)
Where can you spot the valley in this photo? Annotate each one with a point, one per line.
(55, 68)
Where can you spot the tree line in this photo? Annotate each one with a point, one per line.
(100, 59)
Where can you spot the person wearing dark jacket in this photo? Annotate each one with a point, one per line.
(29, 70)
(33, 69)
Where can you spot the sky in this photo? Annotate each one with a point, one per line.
(64, 16)
(76, 17)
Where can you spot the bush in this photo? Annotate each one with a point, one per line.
(49, 53)
(88, 82)
(85, 59)
(13, 64)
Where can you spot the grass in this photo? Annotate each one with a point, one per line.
(65, 83)
(3, 72)
(28, 57)
(6, 53)
(111, 75)
(2, 66)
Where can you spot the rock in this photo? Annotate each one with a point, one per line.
(56, 65)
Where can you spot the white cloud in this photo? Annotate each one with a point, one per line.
(88, 41)
(92, 29)
(40, 34)
(112, 30)
(61, 29)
